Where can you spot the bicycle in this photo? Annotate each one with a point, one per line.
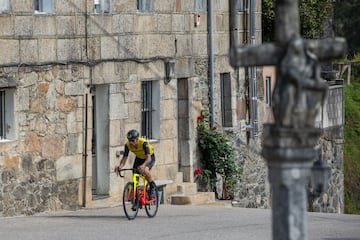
(134, 196)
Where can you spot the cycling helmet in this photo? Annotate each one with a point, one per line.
(132, 134)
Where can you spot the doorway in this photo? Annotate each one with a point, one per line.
(100, 142)
(184, 154)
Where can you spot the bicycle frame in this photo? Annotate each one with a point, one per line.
(135, 194)
(141, 191)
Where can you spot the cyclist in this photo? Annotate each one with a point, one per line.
(145, 157)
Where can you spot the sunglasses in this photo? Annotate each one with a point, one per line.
(133, 140)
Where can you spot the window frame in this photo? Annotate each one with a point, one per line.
(4, 6)
(41, 8)
(145, 6)
(150, 109)
(268, 91)
(226, 99)
(102, 6)
(7, 116)
(200, 6)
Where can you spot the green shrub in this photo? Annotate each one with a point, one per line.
(351, 149)
(217, 154)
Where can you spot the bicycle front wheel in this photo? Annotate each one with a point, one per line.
(152, 205)
(130, 201)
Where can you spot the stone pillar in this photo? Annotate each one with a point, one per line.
(290, 154)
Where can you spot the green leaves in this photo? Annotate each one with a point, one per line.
(313, 15)
(217, 153)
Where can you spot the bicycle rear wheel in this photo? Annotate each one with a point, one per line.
(152, 205)
(130, 201)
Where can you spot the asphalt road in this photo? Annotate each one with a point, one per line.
(172, 222)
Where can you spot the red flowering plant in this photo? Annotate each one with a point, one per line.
(217, 154)
(203, 178)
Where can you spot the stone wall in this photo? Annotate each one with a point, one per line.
(56, 60)
(41, 169)
(332, 143)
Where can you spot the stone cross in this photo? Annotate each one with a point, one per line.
(291, 144)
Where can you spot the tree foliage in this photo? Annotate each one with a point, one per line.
(347, 21)
(351, 149)
(313, 14)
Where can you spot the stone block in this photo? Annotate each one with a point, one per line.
(178, 23)
(151, 70)
(73, 143)
(199, 44)
(94, 48)
(184, 45)
(69, 167)
(169, 110)
(221, 46)
(165, 157)
(69, 49)
(9, 51)
(20, 6)
(66, 25)
(123, 23)
(28, 51)
(197, 198)
(32, 143)
(108, 71)
(74, 88)
(23, 99)
(114, 138)
(44, 26)
(163, 21)
(183, 67)
(117, 106)
(129, 46)
(100, 25)
(144, 23)
(109, 47)
(6, 26)
(69, 7)
(52, 146)
(72, 124)
(164, 6)
(120, 6)
(23, 26)
(185, 6)
(11, 161)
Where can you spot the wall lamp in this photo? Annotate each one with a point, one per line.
(169, 70)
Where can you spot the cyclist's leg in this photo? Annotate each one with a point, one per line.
(148, 167)
(152, 193)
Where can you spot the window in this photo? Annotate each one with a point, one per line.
(4, 6)
(225, 87)
(102, 6)
(145, 5)
(44, 6)
(200, 5)
(268, 91)
(150, 110)
(7, 120)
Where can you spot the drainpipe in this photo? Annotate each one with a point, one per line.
(253, 73)
(211, 61)
(85, 155)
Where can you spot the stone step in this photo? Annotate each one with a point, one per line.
(186, 188)
(195, 198)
